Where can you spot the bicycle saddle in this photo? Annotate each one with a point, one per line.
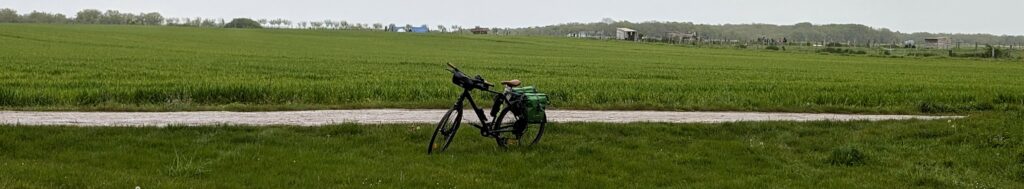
(512, 83)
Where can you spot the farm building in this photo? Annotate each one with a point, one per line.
(421, 29)
(407, 28)
(938, 42)
(626, 34)
(479, 30)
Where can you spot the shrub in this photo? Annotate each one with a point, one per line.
(922, 54)
(1020, 158)
(847, 156)
(773, 47)
(243, 23)
(834, 44)
(741, 46)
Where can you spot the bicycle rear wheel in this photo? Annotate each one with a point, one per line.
(445, 131)
(524, 134)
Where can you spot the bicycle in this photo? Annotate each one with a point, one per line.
(509, 125)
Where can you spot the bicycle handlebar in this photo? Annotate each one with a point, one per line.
(469, 82)
(452, 66)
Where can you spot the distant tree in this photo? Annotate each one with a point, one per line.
(8, 15)
(243, 23)
(608, 21)
(275, 23)
(263, 21)
(378, 26)
(316, 25)
(441, 28)
(329, 24)
(343, 24)
(113, 17)
(88, 16)
(172, 21)
(42, 17)
(152, 18)
(302, 24)
(208, 23)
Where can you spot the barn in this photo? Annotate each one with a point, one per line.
(938, 42)
(626, 34)
(479, 30)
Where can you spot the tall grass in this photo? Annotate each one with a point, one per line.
(137, 68)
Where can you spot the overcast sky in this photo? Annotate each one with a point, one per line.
(948, 16)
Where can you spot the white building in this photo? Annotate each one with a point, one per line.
(626, 34)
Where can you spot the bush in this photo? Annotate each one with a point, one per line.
(834, 44)
(741, 46)
(243, 23)
(922, 54)
(1020, 158)
(773, 47)
(847, 156)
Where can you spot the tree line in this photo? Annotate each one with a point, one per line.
(87, 16)
(801, 32)
(93, 16)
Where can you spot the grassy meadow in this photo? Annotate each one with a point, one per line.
(138, 68)
(983, 151)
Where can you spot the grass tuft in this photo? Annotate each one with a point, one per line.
(184, 166)
(847, 156)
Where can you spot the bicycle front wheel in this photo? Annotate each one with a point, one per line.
(445, 131)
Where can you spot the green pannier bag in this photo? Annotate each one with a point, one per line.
(524, 90)
(535, 103)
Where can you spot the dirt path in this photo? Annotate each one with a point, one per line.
(384, 116)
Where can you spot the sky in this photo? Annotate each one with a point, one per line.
(1001, 17)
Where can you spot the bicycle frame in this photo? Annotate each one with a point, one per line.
(486, 126)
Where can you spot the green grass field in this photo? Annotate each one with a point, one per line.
(983, 151)
(134, 68)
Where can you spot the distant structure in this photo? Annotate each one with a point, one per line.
(681, 37)
(578, 35)
(393, 28)
(938, 42)
(909, 44)
(479, 30)
(626, 34)
(421, 29)
(412, 29)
